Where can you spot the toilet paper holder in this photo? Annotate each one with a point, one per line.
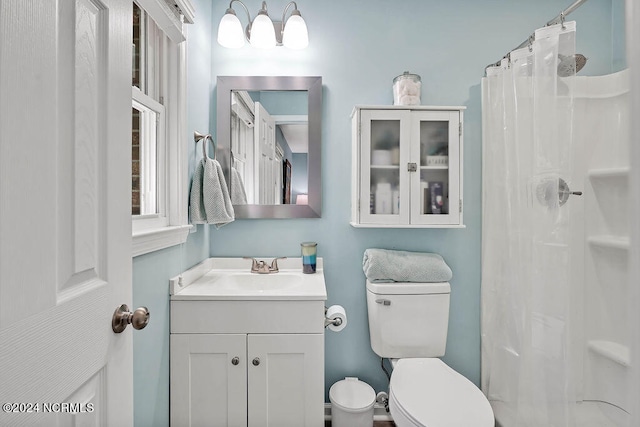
(335, 322)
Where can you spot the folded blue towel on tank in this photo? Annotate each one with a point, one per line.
(384, 265)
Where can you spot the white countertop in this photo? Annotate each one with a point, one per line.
(231, 279)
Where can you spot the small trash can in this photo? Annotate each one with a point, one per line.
(352, 403)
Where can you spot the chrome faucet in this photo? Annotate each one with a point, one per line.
(261, 267)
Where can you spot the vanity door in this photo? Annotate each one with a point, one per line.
(286, 380)
(208, 380)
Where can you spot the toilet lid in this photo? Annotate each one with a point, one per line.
(434, 395)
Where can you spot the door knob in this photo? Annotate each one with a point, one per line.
(256, 361)
(122, 317)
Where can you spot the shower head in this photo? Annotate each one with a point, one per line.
(570, 64)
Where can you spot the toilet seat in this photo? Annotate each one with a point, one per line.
(426, 392)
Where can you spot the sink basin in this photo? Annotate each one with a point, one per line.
(259, 282)
(231, 279)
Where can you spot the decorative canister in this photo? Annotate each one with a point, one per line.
(406, 89)
(309, 252)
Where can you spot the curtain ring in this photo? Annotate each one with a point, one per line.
(532, 38)
(562, 20)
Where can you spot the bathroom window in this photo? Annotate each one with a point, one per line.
(147, 157)
(150, 46)
(158, 154)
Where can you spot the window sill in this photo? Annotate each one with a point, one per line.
(152, 240)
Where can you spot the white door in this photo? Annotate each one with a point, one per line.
(265, 137)
(278, 174)
(65, 219)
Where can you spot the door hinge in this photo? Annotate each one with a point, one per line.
(460, 205)
(460, 129)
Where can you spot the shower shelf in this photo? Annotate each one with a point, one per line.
(610, 242)
(611, 350)
(604, 173)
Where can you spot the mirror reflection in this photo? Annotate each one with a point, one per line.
(268, 110)
(269, 147)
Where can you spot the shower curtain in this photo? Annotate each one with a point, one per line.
(526, 294)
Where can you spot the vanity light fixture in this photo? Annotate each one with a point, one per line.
(261, 31)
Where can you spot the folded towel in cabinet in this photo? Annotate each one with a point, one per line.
(384, 265)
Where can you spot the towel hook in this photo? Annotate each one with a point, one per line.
(197, 136)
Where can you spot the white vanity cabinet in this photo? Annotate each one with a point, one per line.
(407, 167)
(247, 380)
(251, 356)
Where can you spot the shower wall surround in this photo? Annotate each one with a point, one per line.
(448, 44)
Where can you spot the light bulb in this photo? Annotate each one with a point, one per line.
(295, 33)
(263, 34)
(230, 32)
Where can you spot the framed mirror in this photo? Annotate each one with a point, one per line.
(269, 144)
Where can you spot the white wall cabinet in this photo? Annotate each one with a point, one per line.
(407, 167)
(247, 379)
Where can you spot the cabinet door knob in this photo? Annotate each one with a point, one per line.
(235, 361)
(256, 361)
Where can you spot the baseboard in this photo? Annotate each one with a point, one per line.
(379, 413)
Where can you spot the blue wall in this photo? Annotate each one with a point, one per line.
(358, 47)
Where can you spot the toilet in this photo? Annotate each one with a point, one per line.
(408, 324)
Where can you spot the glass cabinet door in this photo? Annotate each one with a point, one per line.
(384, 195)
(435, 193)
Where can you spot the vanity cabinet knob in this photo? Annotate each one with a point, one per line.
(235, 361)
(256, 361)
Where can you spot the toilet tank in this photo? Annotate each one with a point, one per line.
(408, 319)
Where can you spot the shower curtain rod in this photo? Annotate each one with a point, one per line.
(557, 20)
